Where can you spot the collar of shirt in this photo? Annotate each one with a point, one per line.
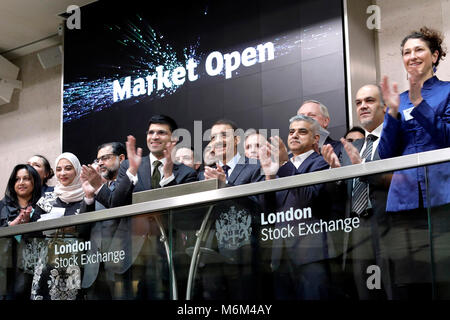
(376, 133)
(152, 159)
(232, 163)
(298, 160)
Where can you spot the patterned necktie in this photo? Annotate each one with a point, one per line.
(156, 176)
(225, 169)
(361, 189)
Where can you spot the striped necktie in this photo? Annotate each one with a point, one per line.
(360, 195)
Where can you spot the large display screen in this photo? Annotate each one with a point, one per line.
(250, 61)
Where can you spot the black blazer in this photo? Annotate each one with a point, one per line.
(311, 247)
(130, 233)
(122, 195)
(243, 173)
(378, 185)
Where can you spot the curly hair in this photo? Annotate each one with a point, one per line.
(433, 38)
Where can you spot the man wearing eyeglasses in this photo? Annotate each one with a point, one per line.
(135, 235)
(96, 279)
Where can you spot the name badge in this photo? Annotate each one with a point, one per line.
(407, 114)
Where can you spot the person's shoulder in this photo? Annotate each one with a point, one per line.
(184, 169)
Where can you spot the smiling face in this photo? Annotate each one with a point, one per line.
(312, 110)
(157, 137)
(301, 137)
(65, 172)
(368, 107)
(38, 164)
(418, 58)
(224, 142)
(24, 184)
(108, 163)
(252, 144)
(185, 156)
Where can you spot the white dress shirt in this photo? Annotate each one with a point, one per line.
(298, 160)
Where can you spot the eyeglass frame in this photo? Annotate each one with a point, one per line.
(104, 157)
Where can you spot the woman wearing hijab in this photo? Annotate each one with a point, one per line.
(54, 278)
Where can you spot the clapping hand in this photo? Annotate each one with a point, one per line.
(168, 166)
(390, 96)
(134, 156)
(330, 156)
(215, 173)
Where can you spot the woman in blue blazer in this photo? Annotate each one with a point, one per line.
(418, 120)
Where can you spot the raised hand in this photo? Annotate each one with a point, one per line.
(269, 159)
(168, 166)
(391, 96)
(215, 173)
(134, 156)
(352, 152)
(89, 191)
(330, 156)
(90, 174)
(282, 152)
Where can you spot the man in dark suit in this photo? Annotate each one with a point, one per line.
(138, 236)
(299, 261)
(237, 272)
(319, 112)
(99, 283)
(366, 197)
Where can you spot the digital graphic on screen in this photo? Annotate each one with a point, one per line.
(253, 62)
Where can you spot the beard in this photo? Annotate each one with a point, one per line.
(111, 173)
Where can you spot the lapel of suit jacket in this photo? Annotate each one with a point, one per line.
(236, 171)
(145, 173)
(301, 169)
(306, 163)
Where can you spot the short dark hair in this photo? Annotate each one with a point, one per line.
(10, 193)
(47, 167)
(228, 122)
(163, 119)
(432, 38)
(355, 129)
(118, 148)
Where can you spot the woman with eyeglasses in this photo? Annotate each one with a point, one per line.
(54, 277)
(42, 166)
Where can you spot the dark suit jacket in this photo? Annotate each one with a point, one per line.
(126, 237)
(100, 235)
(378, 185)
(336, 144)
(125, 188)
(243, 173)
(308, 248)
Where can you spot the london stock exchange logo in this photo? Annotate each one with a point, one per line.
(233, 228)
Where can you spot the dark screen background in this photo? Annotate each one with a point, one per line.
(309, 64)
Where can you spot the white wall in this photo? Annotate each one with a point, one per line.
(398, 19)
(30, 123)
